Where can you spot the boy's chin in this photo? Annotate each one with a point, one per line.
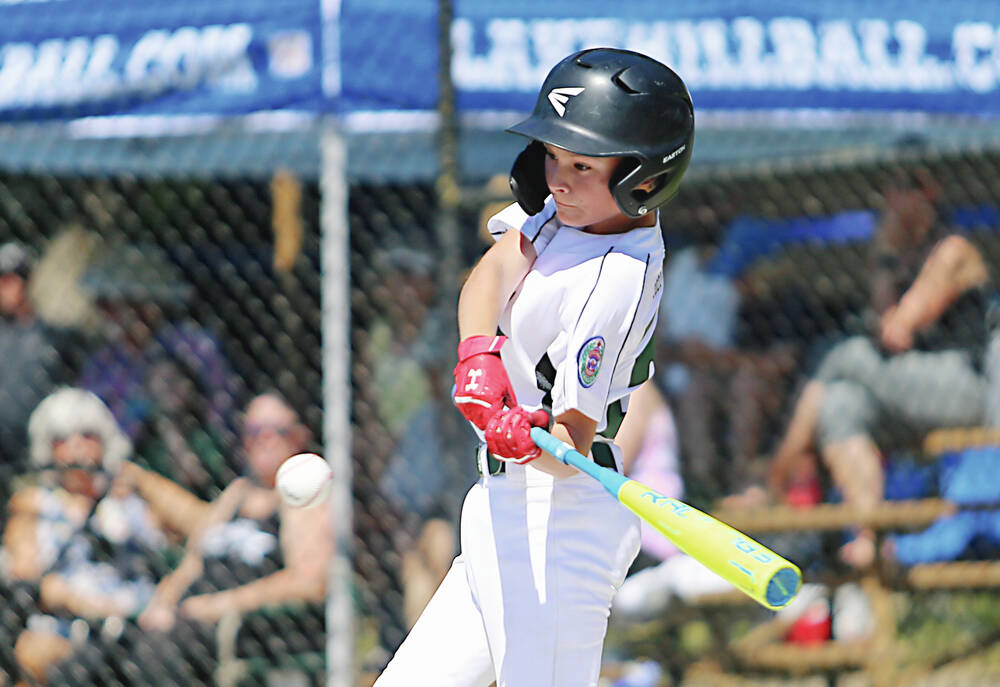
(571, 217)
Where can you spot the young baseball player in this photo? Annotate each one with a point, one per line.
(572, 284)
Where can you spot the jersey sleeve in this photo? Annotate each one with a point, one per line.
(511, 217)
(614, 326)
(538, 228)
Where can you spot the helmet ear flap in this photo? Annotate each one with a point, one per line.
(527, 178)
(631, 173)
(622, 187)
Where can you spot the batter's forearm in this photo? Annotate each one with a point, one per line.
(578, 432)
(492, 282)
(479, 303)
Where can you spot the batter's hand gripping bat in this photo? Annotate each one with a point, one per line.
(749, 566)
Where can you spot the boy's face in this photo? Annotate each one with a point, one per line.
(579, 186)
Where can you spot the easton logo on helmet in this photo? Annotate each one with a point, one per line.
(559, 96)
(674, 154)
(589, 360)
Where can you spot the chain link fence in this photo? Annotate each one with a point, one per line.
(179, 300)
(787, 384)
(778, 267)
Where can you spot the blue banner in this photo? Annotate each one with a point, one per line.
(388, 55)
(941, 57)
(65, 59)
(929, 56)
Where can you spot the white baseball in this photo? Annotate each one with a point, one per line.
(304, 480)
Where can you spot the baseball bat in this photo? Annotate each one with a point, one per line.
(751, 567)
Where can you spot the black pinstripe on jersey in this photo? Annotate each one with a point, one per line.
(541, 226)
(545, 377)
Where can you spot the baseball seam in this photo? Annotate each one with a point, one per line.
(319, 487)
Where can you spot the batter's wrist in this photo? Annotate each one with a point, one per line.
(474, 345)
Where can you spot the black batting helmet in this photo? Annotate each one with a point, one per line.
(606, 102)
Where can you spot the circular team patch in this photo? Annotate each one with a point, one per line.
(589, 360)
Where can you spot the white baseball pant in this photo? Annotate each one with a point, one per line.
(527, 601)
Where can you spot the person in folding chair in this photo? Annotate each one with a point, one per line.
(919, 369)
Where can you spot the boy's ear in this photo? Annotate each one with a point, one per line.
(527, 178)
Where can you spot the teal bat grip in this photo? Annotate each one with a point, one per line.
(610, 479)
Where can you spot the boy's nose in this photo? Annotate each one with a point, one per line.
(557, 182)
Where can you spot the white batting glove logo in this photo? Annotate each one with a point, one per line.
(472, 376)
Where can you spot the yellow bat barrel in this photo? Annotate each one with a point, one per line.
(749, 566)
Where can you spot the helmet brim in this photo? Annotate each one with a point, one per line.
(568, 137)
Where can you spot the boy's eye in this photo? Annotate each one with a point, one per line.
(582, 167)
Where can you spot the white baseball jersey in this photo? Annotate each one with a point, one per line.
(581, 324)
(526, 603)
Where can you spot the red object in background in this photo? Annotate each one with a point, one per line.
(813, 626)
(804, 488)
(804, 493)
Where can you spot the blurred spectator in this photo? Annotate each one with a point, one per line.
(648, 439)
(33, 359)
(919, 370)
(721, 391)
(177, 440)
(651, 455)
(141, 296)
(55, 288)
(88, 540)
(252, 552)
(427, 472)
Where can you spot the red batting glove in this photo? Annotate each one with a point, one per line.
(508, 434)
(482, 388)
